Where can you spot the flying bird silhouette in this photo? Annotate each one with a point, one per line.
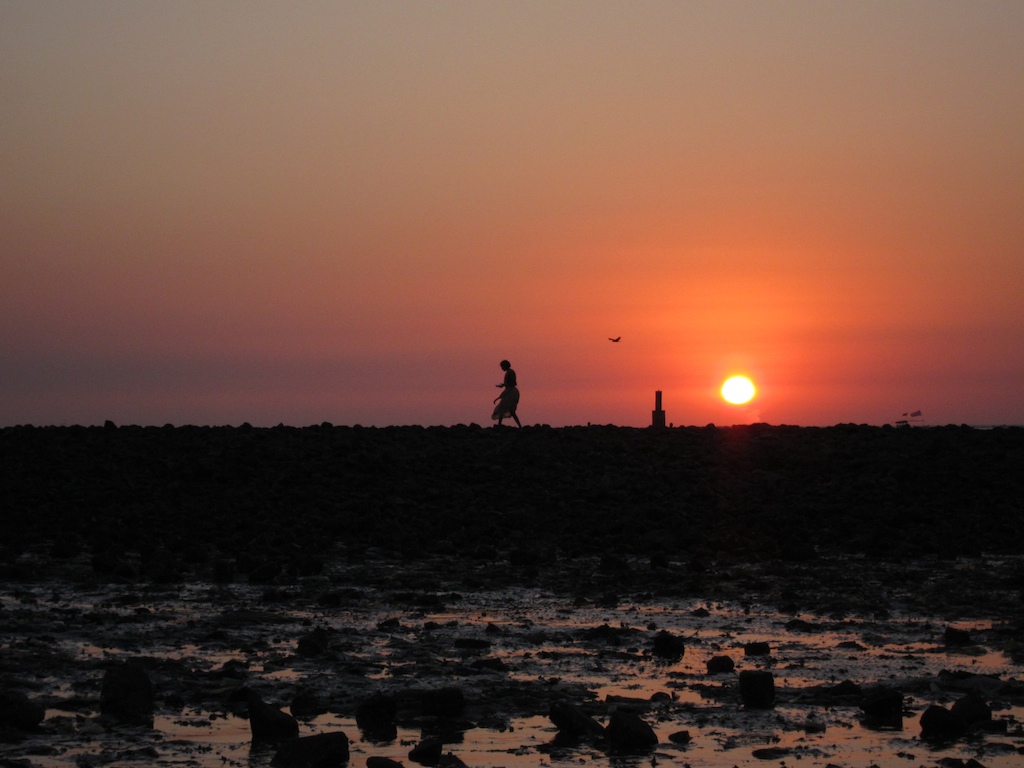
(617, 338)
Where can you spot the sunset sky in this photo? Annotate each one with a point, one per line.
(296, 212)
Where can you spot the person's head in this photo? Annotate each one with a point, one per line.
(505, 365)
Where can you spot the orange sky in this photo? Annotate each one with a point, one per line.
(267, 212)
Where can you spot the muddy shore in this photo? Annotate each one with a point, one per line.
(344, 562)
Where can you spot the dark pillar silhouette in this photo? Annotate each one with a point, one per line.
(657, 415)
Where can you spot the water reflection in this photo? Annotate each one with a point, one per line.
(598, 655)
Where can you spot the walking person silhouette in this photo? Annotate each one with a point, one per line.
(508, 400)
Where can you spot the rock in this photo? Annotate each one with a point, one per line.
(19, 711)
(626, 732)
(573, 722)
(376, 717)
(232, 668)
(472, 643)
(382, 762)
(606, 634)
(957, 638)
(883, 707)
(127, 694)
(269, 725)
(718, 665)
(938, 724)
(442, 702)
(971, 710)
(427, 752)
(814, 726)
(668, 646)
(757, 689)
(1000, 727)
(306, 704)
(757, 649)
(800, 625)
(680, 737)
(323, 750)
(316, 643)
(490, 664)
(450, 761)
(771, 753)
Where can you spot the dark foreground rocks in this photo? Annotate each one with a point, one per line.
(757, 688)
(882, 706)
(322, 750)
(127, 694)
(269, 725)
(627, 732)
(18, 711)
(969, 713)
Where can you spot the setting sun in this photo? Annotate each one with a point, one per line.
(738, 390)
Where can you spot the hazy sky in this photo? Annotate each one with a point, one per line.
(218, 212)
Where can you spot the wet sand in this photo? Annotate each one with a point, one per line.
(509, 570)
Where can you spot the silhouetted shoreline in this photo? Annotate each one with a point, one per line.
(181, 502)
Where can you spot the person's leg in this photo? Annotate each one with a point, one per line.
(514, 416)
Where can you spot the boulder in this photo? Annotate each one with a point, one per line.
(882, 707)
(316, 643)
(427, 752)
(376, 717)
(269, 725)
(757, 689)
(757, 649)
(377, 727)
(127, 694)
(442, 702)
(489, 664)
(718, 665)
(472, 643)
(19, 711)
(956, 638)
(938, 724)
(971, 710)
(306, 704)
(668, 646)
(772, 753)
(626, 732)
(323, 750)
(573, 722)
